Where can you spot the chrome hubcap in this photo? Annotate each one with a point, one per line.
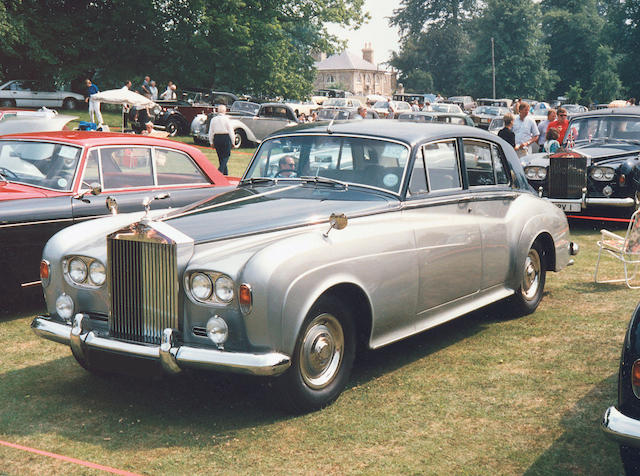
(531, 276)
(321, 351)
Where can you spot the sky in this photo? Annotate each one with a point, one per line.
(377, 31)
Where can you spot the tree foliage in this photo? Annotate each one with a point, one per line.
(520, 54)
(606, 85)
(254, 46)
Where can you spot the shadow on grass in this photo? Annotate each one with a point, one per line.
(583, 448)
(61, 398)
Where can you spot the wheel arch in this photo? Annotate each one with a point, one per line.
(348, 290)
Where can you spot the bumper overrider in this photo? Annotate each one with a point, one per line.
(621, 428)
(171, 355)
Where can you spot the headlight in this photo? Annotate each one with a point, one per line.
(97, 273)
(64, 306)
(201, 286)
(77, 270)
(223, 288)
(602, 174)
(536, 173)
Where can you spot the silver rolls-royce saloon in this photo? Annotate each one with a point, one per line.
(339, 234)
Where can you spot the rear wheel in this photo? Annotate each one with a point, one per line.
(630, 460)
(532, 280)
(69, 103)
(322, 359)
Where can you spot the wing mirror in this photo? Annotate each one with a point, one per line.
(94, 189)
(337, 221)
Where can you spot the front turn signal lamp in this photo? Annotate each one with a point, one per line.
(45, 272)
(245, 298)
(635, 378)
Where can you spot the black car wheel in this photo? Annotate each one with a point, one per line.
(173, 127)
(69, 103)
(322, 359)
(239, 138)
(532, 279)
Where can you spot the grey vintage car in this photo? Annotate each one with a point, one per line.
(361, 232)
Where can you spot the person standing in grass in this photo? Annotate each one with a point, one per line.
(221, 135)
(94, 106)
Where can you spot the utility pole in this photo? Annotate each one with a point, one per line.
(493, 68)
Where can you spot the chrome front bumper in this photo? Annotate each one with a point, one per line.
(621, 428)
(172, 356)
(606, 202)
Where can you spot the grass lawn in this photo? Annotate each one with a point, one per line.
(482, 395)
(112, 117)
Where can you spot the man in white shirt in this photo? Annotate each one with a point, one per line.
(525, 129)
(221, 135)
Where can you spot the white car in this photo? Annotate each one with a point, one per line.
(31, 93)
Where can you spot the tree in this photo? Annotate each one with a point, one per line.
(574, 94)
(606, 85)
(572, 30)
(434, 42)
(520, 54)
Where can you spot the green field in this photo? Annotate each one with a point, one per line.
(482, 395)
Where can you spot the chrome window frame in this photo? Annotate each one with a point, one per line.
(458, 161)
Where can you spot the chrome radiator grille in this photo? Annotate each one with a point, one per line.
(567, 177)
(143, 283)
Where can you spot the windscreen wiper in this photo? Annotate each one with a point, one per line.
(325, 180)
(253, 180)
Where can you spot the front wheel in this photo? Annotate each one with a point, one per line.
(532, 279)
(322, 359)
(173, 127)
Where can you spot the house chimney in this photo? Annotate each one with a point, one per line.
(367, 53)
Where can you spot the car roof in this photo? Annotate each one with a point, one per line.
(615, 111)
(408, 132)
(91, 139)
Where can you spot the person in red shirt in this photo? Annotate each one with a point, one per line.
(560, 124)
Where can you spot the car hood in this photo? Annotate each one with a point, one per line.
(258, 209)
(596, 152)
(15, 191)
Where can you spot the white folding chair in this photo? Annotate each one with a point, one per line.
(624, 249)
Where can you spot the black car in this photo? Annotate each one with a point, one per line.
(621, 423)
(597, 169)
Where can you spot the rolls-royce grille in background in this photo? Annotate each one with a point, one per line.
(567, 177)
(143, 280)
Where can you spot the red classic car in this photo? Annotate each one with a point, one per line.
(50, 180)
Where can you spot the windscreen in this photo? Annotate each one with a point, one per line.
(355, 160)
(43, 164)
(623, 128)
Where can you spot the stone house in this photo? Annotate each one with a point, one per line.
(359, 75)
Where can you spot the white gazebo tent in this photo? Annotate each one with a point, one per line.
(125, 97)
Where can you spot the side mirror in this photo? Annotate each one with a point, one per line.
(337, 221)
(96, 188)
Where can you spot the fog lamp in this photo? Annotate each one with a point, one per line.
(217, 330)
(64, 306)
(607, 191)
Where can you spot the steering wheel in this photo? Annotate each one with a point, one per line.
(291, 174)
(8, 173)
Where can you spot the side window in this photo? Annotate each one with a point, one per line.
(498, 165)
(418, 182)
(126, 167)
(478, 162)
(92, 170)
(173, 167)
(441, 161)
